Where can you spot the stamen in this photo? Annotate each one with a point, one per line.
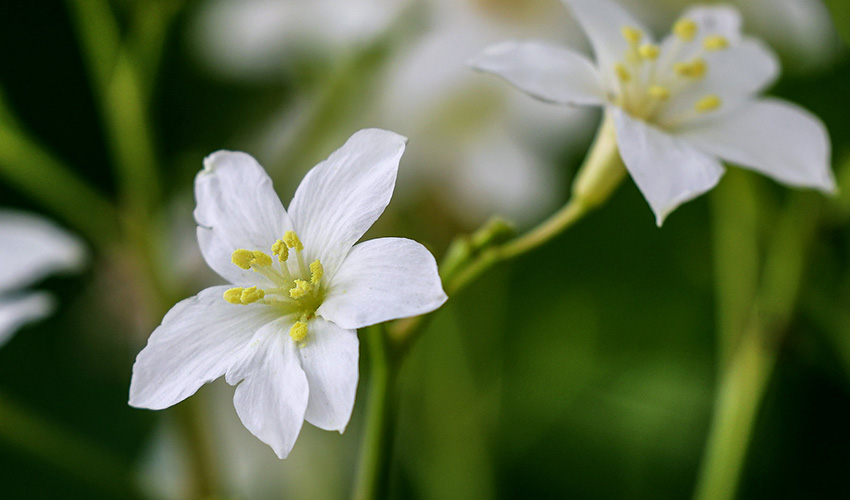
(281, 250)
(695, 69)
(261, 258)
(715, 42)
(685, 29)
(253, 294)
(292, 241)
(234, 295)
(242, 258)
(316, 272)
(708, 103)
(622, 73)
(659, 92)
(631, 34)
(298, 332)
(649, 51)
(300, 289)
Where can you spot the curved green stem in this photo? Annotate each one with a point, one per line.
(374, 468)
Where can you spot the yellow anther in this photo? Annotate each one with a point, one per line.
(695, 69)
(631, 34)
(298, 332)
(316, 271)
(281, 250)
(659, 92)
(715, 42)
(685, 29)
(708, 103)
(622, 73)
(253, 294)
(300, 289)
(649, 51)
(242, 258)
(234, 295)
(261, 259)
(292, 241)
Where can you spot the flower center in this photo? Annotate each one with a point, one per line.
(296, 289)
(647, 77)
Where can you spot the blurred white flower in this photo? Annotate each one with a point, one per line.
(677, 107)
(31, 248)
(288, 333)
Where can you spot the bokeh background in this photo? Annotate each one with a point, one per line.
(585, 370)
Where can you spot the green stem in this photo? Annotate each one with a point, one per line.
(195, 430)
(66, 450)
(375, 452)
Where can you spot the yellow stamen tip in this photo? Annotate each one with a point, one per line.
(292, 241)
(631, 34)
(234, 295)
(659, 92)
(622, 73)
(281, 250)
(695, 69)
(316, 271)
(715, 42)
(298, 332)
(251, 295)
(685, 29)
(649, 51)
(261, 258)
(300, 289)
(242, 258)
(708, 103)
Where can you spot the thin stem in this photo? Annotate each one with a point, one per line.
(195, 430)
(373, 473)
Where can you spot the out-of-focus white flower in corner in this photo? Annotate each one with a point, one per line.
(677, 107)
(31, 248)
(287, 335)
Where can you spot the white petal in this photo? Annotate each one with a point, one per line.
(666, 170)
(603, 21)
(272, 397)
(19, 310)
(723, 20)
(198, 340)
(383, 279)
(546, 72)
(329, 358)
(32, 247)
(773, 137)
(237, 208)
(341, 197)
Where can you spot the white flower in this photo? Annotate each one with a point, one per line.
(679, 106)
(31, 248)
(287, 331)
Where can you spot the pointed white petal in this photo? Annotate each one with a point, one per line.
(341, 197)
(19, 310)
(198, 340)
(603, 21)
(773, 137)
(272, 397)
(237, 208)
(32, 247)
(383, 279)
(329, 358)
(544, 71)
(666, 170)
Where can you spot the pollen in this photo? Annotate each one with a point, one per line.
(234, 295)
(281, 250)
(622, 73)
(251, 295)
(316, 272)
(300, 289)
(694, 69)
(659, 92)
(298, 332)
(242, 258)
(261, 258)
(715, 42)
(292, 241)
(685, 29)
(631, 34)
(649, 51)
(708, 103)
